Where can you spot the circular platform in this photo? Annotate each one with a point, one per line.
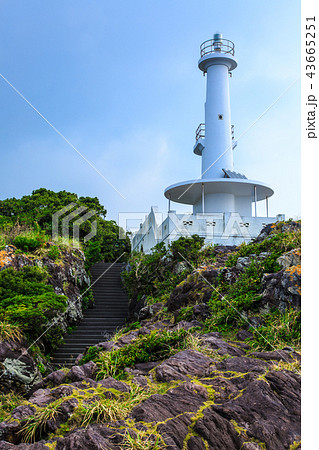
(216, 59)
(189, 192)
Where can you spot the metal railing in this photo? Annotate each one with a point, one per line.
(200, 132)
(217, 45)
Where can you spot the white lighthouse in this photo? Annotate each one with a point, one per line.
(224, 202)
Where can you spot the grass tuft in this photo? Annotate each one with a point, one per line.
(10, 331)
(142, 440)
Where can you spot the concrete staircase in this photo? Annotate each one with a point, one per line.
(109, 313)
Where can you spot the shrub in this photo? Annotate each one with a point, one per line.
(92, 253)
(153, 274)
(29, 243)
(151, 347)
(228, 302)
(187, 248)
(25, 300)
(54, 252)
(90, 355)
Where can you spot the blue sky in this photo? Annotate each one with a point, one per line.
(120, 81)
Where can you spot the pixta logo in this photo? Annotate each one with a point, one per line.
(77, 219)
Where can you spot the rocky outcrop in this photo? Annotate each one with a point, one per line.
(207, 393)
(245, 261)
(18, 370)
(241, 402)
(283, 289)
(282, 227)
(185, 364)
(67, 276)
(10, 258)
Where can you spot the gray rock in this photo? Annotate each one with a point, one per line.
(245, 261)
(18, 375)
(243, 365)
(222, 347)
(111, 383)
(282, 289)
(79, 373)
(289, 259)
(180, 267)
(185, 364)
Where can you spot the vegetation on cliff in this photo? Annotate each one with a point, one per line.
(44, 284)
(27, 224)
(214, 331)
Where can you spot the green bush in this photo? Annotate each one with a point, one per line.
(187, 248)
(54, 252)
(29, 243)
(26, 300)
(91, 354)
(228, 302)
(152, 347)
(153, 274)
(92, 253)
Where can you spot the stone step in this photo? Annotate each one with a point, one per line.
(108, 315)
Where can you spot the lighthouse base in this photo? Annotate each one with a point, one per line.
(216, 228)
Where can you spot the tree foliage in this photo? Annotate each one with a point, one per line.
(37, 210)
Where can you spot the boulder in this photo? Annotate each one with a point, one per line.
(53, 379)
(245, 261)
(282, 289)
(18, 370)
(185, 364)
(267, 411)
(184, 399)
(277, 355)
(79, 373)
(218, 432)
(111, 383)
(242, 364)
(197, 288)
(212, 341)
(289, 259)
(242, 335)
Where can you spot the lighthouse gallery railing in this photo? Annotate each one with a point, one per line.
(217, 45)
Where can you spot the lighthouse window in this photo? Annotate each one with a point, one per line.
(220, 117)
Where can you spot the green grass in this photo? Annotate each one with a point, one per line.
(10, 331)
(276, 244)
(152, 347)
(8, 402)
(280, 330)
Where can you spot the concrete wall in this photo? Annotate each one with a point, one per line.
(217, 228)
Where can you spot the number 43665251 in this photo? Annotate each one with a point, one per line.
(310, 47)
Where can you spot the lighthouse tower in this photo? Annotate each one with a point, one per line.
(219, 189)
(224, 201)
